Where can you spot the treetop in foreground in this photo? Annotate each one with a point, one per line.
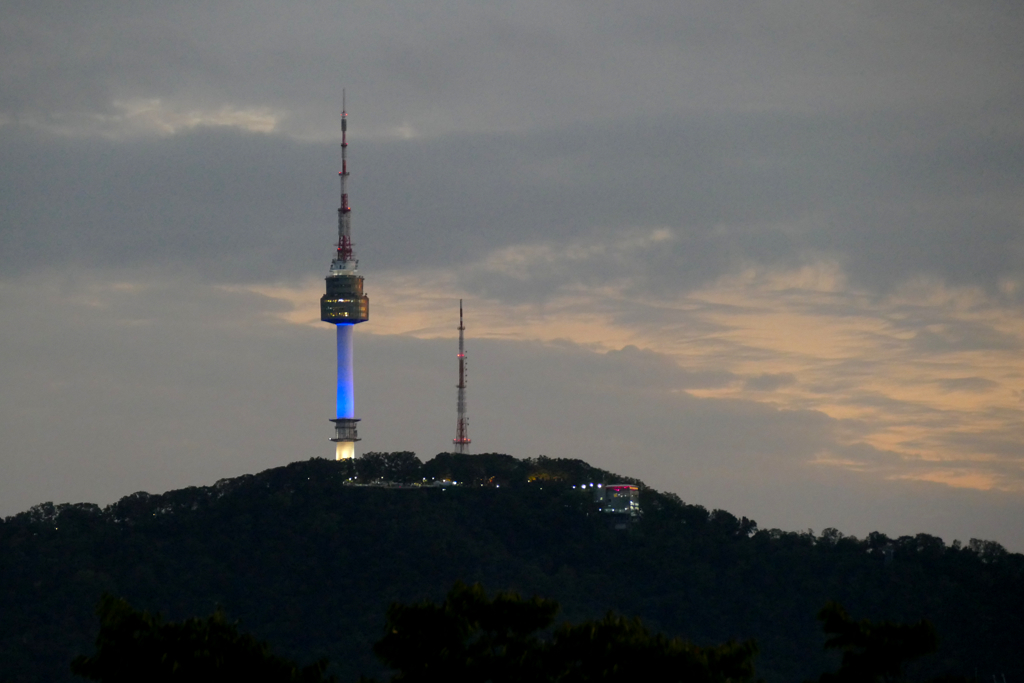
(471, 638)
(135, 646)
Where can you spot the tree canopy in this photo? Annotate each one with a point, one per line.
(135, 646)
(471, 638)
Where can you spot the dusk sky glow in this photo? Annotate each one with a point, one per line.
(768, 256)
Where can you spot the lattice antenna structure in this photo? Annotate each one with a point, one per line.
(461, 439)
(345, 252)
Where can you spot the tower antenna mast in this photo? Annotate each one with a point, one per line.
(345, 252)
(461, 439)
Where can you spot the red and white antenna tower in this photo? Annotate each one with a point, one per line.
(461, 439)
(345, 253)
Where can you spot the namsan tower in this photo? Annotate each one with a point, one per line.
(461, 439)
(343, 305)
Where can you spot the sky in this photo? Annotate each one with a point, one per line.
(768, 256)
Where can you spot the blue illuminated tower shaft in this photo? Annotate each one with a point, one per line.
(346, 408)
(344, 304)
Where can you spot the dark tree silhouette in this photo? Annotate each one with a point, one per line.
(470, 638)
(137, 646)
(874, 652)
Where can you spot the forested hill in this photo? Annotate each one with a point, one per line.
(309, 562)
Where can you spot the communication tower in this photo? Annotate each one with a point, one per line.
(461, 439)
(343, 305)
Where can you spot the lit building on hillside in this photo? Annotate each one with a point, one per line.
(618, 499)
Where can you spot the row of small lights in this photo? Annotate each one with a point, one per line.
(582, 486)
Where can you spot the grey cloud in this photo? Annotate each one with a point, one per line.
(459, 65)
(727, 173)
(776, 191)
(769, 382)
(651, 370)
(769, 189)
(642, 313)
(891, 405)
(962, 335)
(1001, 446)
(976, 385)
(228, 205)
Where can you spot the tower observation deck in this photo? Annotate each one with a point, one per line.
(344, 304)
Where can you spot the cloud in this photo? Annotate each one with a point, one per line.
(971, 384)
(769, 382)
(457, 66)
(671, 204)
(955, 336)
(222, 203)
